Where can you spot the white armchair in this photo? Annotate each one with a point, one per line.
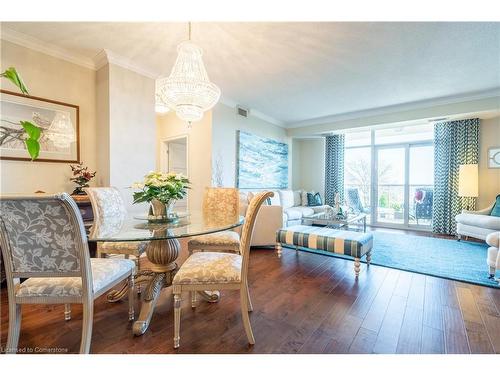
(493, 253)
(477, 224)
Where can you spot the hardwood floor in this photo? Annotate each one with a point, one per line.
(303, 303)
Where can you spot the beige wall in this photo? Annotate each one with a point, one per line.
(309, 165)
(489, 179)
(199, 146)
(51, 78)
(132, 130)
(225, 124)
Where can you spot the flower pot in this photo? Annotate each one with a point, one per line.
(160, 212)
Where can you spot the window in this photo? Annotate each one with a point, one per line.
(389, 174)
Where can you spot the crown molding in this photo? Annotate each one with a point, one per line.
(106, 56)
(468, 97)
(253, 112)
(36, 44)
(101, 59)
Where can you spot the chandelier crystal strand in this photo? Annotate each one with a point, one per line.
(188, 90)
(61, 131)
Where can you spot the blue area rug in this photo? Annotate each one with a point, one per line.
(462, 261)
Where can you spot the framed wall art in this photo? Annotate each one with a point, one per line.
(494, 157)
(262, 163)
(59, 141)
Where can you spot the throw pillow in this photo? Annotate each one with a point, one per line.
(314, 199)
(496, 207)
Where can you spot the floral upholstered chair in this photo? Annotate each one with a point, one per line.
(43, 240)
(107, 204)
(218, 270)
(219, 204)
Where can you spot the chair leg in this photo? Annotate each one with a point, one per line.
(14, 327)
(279, 249)
(193, 299)
(492, 272)
(88, 315)
(249, 301)
(177, 319)
(131, 297)
(244, 314)
(357, 266)
(368, 258)
(67, 311)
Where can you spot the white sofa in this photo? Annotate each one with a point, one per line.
(493, 260)
(477, 224)
(286, 208)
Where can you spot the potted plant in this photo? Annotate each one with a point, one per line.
(161, 190)
(81, 176)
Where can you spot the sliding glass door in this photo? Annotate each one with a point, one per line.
(390, 186)
(404, 185)
(389, 175)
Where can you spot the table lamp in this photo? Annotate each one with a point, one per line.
(468, 182)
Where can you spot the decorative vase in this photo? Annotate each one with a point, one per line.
(162, 212)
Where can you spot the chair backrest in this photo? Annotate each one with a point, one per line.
(423, 209)
(221, 203)
(248, 226)
(43, 236)
(107, 202)
(353, 200)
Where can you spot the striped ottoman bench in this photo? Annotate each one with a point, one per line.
(342, 242)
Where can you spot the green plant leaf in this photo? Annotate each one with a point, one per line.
(12, 75)
(33, 148)
(33, 131)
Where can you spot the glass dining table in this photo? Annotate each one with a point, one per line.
(162, 250)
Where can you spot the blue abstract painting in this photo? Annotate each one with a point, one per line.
(262, 162)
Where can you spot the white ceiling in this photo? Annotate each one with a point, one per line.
(299, 71)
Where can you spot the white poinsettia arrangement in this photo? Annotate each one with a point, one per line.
(164, 187)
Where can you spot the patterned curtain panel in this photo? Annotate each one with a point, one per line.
(455, 143)
(334, 168)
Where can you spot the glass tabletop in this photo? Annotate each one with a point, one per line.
(130, 228)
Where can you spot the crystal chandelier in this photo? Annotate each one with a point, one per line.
(61, 131)
(187, 90)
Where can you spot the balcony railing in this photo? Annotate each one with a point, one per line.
(391, 202)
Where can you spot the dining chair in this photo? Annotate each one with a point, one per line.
(43, 240)
(218, 205)
(107, 204)
(220, 270)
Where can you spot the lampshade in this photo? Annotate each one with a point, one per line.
(468, 180)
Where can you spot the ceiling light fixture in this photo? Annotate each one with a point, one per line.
(187, 90)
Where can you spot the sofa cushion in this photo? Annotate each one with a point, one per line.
(286, 197)
(292, 213)
(495, 211)
(297, 197)
(304, 210)
(481, 221)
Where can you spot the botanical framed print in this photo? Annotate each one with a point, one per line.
(59, 122)
(494, 157)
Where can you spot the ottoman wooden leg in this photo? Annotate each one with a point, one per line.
(279, 249)
(368, 258)
(357, 266)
